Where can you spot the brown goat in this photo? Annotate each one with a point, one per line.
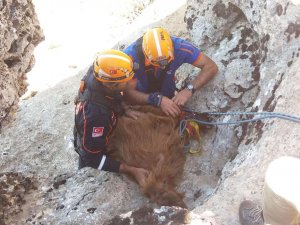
(152, 142)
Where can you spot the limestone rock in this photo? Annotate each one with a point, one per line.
(162, 216)
(19, 34)
(14, 188)
(256, 46)
(253, 42)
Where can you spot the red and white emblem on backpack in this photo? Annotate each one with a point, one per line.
(97, 131)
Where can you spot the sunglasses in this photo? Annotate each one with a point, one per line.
(115, 79)
(161, 62)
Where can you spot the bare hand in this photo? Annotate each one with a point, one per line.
(139, 174)
(132, 113)
(182, 97)
(169, 107)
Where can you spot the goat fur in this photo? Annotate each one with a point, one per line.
(152, 142)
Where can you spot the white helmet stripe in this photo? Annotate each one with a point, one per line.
(158, 48)
(103, 73)
(113, 56)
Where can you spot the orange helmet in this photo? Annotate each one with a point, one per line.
(158, 47)
(113, 66)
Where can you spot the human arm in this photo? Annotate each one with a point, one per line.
(139, 174)
(134, 96)
(105, 163)
(94, 126)
(208, 71)
(98, 138)
(110, 165)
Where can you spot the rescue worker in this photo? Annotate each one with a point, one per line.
(159, 56)
(98, 105)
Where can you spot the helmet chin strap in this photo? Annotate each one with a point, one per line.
(110, 89)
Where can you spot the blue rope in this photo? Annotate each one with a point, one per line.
(262, 115)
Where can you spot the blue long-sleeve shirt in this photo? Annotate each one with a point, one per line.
(184, 52)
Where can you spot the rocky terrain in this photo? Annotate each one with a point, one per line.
(20, 32)
(256, 46)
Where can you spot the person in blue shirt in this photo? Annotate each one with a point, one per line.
(158, 56)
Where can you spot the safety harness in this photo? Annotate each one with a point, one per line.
(92, 91)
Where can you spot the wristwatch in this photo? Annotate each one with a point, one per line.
(191, 88)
